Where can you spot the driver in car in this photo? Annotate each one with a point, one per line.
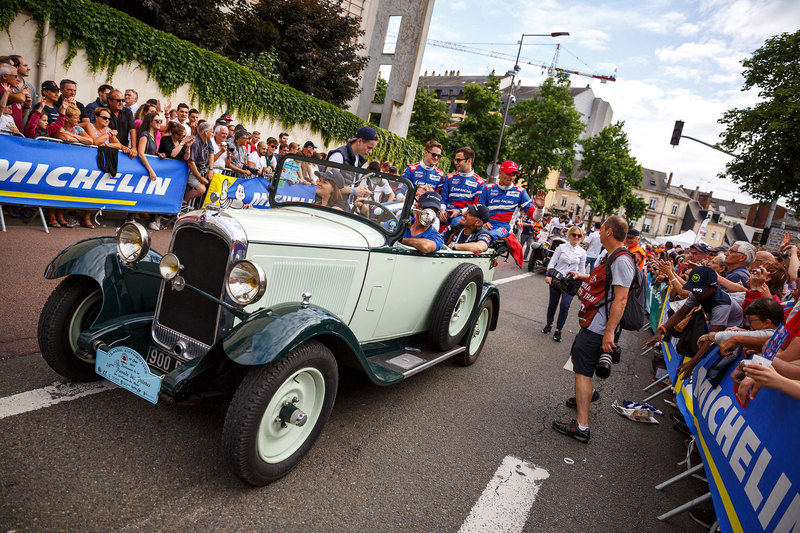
(420, 233)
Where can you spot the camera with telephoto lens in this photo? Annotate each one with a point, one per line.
(568, 283)
(603, 369)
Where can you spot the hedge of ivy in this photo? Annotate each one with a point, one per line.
(111, 38)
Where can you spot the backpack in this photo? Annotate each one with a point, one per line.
(633, 316)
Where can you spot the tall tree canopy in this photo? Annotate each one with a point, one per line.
(480, 129)
(311, 45)
(428, 118)
(545, 132)
(766, 135)
(612, 174)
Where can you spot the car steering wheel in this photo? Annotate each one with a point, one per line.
(385, 214)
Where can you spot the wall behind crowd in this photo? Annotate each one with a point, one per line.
(47, 58)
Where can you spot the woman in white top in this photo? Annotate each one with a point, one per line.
(570, 256)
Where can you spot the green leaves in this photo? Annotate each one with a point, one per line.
(111, 38)
(612, 174)
(766, 135)
(545, 132)
(429, 117)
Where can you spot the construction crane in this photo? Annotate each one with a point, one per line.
(551, 69)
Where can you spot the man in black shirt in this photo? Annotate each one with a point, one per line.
(68, 90)
(122, 121)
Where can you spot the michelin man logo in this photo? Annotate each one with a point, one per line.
(226, 201)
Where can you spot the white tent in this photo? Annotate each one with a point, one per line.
(685, 239)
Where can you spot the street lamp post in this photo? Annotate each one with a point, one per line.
(494, 168)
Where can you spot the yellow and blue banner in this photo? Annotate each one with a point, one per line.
(50, 174)
(235, 193)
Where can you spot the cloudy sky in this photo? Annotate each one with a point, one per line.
(674, 60)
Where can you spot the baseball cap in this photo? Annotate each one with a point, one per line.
(509, 167)
(430, 200)
(633, 232)
(226, 117)
(310, 144)
(221, 122)
(480, 211)
(701, 247)
(392, 169)
(700, 279)
(49, 85)
(366, 133)
(332, 175)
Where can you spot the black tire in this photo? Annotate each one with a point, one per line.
(478, 334)
(459, 294)
(532, 260)
(257, 448)
(71, 308)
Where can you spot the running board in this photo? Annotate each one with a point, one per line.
(412, 361)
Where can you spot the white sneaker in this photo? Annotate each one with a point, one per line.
(154, 226)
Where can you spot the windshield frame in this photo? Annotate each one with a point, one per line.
(402, 218)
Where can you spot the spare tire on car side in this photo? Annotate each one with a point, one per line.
(455, 305)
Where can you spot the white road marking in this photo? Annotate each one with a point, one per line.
(507, 500)
(50, 395)
(512, 278)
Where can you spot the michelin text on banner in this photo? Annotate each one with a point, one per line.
(49, 174)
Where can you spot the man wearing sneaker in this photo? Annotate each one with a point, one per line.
(596, 335)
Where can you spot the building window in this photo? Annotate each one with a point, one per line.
(674, 209)
(647, 223)
(563, 201)
(713, 235)
(653, 202)
(669, 229)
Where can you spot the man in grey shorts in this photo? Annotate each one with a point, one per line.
(596, 335)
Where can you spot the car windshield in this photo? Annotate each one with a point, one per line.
(372, 196)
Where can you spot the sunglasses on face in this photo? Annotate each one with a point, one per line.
(458, 160)
(104, 117)
(117, 99)
(434, 155)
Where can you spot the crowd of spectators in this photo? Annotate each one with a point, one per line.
(117, 119)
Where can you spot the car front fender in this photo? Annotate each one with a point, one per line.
(126, 290)
(269, 335)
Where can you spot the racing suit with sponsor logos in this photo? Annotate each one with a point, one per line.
(418, 173)
(460, 190)
(503, 202)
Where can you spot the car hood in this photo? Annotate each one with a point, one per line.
(307, 226)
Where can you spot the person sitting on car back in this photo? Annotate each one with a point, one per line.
(504, 198)
(469, 235)
(420, 232)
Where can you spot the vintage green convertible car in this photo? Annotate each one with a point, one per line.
(257, 308)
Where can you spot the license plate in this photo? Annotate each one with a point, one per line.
(163, 361)
(125, 367)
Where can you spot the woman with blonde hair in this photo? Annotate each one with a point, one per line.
(569, 257)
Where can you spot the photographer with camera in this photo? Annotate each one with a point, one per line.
(420, 233)
(603, 303)
(568, 257)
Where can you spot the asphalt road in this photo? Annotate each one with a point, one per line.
(415, 456)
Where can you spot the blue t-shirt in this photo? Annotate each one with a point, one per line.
(430, 234)
(739, 275)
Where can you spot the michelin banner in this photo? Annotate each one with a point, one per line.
(749, 453)
(236, 193)
(50, 174)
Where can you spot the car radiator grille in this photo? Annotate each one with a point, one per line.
(186, 313)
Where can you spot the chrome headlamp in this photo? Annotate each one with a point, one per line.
(169, 266)
(133, 242)
(426, 216)
(245, 282)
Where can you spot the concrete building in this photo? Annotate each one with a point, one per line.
(596, 113)
(395, 32)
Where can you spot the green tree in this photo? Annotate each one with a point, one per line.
(481, 127)
(545, 132)
(766, 135)
(634, 208)
(262, 62)
(612, 173)
(380, 89)
(315, 42)
(428, 117)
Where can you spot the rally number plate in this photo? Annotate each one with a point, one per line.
(162, 360)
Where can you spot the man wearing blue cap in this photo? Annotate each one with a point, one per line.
(420, 233)
(353, 153)
(718, 307)
(469, 235)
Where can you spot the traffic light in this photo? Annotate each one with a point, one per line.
(676, 133)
